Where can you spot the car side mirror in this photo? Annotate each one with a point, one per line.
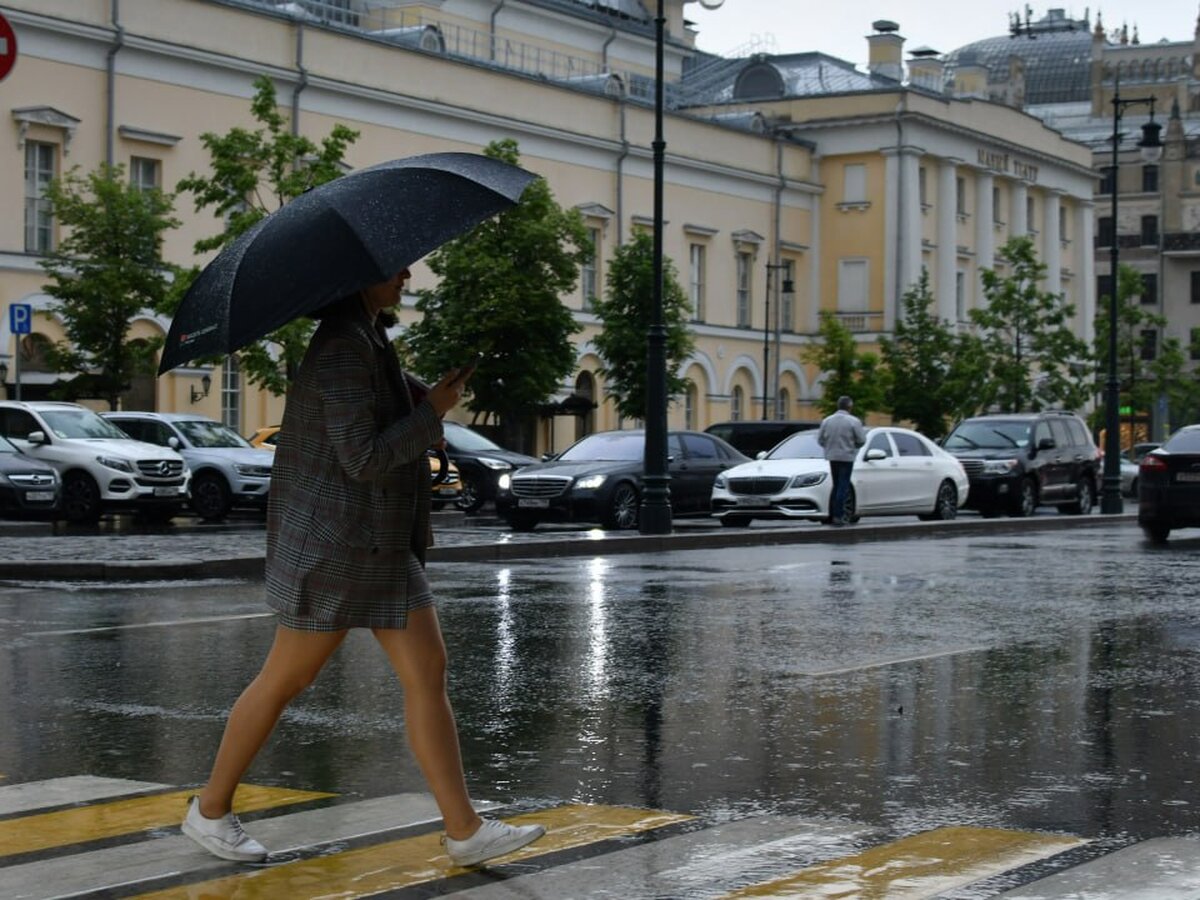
(546, 457)
(173, 442)
(37, 437)
(875, 454)
(761, 454)
(1046, 443)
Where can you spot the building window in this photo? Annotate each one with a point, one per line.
(1150, 179)
(689, 407)
(854, 183)
(1104, 231)
(996, 204)
(144, 173)
(1195, 286)
(737, 403)
(1104, 286)
(1107, 180)
(1149, 343)
(852, 285)
(1030, 212)
(1063, 236)
(743, 290)
(696, 279)
(1149, 231)
(922, 190)
(787, 300)
(40, 159)
(589, 272)
(1149, 296)
(231, 394)
(1194, 349)
(960, 196)
(960, 296)
(783, 404)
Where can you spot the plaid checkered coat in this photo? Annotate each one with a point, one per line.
(350, 485)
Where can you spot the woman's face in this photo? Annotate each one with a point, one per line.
(385, 294)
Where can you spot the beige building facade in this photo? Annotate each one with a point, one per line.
(842, 195)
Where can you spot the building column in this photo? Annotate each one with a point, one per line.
(1085, 270)
(910, 228)
(947, 241)
(1018, 224)
(985, 221)
(1051, 242)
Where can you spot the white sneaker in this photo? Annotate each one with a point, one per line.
(222, 837)
(493, 838)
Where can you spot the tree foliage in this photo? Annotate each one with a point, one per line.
(626, 313)
(254, 171)
(849, 371)
(1035, 360)
(106, 270)
(498, 297)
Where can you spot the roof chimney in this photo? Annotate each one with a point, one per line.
(886, 48)
(926, 69)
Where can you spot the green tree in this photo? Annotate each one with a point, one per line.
(848, 371)
(1035, 360)
(625, 315)
(107, 269)
(498, 297)
(254, 172)
(1139, 388)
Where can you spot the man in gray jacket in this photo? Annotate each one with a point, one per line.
(841, 435)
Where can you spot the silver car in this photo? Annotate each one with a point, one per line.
(226, 470)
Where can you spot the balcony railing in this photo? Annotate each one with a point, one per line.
(860, 321)
(1180, 241)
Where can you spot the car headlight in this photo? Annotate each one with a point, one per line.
(113, 462)
(721, 482)
(498, 465)
(590, 482)
(812, 479)
(999, 466)
(504, 482)
(258, 471)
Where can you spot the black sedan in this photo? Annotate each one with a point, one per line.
(28, 487)
(1169, 485)
(599, 479)
(480, 463)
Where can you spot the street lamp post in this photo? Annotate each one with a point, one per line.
(1151, 149)
(655, 513)
(780, 285)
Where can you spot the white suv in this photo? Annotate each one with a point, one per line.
(101, 468)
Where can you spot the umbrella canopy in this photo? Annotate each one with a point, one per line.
(356, 230)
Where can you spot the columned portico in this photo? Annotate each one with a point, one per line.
(947, 249)
(1085, 269)
(985, 221)
(903, 229)
(1052, 242)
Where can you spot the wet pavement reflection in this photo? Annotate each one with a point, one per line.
(1040, 682)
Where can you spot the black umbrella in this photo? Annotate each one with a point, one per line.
(356, 230)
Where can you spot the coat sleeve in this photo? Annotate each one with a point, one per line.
(349, 403)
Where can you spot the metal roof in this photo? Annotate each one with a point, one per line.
(1057, 63)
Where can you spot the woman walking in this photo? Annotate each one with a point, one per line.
(347, 531)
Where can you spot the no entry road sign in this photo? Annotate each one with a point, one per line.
(8, 47)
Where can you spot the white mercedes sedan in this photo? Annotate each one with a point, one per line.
(897, 473)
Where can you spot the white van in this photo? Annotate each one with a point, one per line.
(101, 468)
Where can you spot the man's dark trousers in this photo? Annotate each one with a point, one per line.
(840, 470)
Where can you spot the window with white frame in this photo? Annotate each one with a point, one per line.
(996, 204)
(696, 279)
(145, 173)
(1064, 234)
(231, 394)
(40, 168)
(737, 403)
(923, 186)
(854, 183)
(852, 285)
(589, 272)
(960, 196)
(744, 270)
(960, 296)
(787, 301)
(1030, 209)
(783, 404)
(690, 395)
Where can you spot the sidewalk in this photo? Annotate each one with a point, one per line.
(35, 552)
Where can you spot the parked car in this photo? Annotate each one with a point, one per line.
(599, 479)
(897, 472)
(481, 462)
(448, 489)
(226, 471)
(752, 437)
(28, 488)
(264, 438)
(1169, 485)
(100, 466)
(1140, 449)
(1019, 461)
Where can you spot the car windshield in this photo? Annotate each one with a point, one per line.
(463, 438)
(611, 446)
(70, 424)
(998, 435)
(801, 445)
(6, 446)
(206, 433)
(1183, 442)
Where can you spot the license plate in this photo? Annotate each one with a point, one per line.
(533, 503)
(453, 492)
(1187, 476)
(166, 492)
(39, 496)
(753, 501)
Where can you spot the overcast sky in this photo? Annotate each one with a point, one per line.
(839, 27)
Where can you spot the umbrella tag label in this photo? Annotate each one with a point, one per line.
(192, 335)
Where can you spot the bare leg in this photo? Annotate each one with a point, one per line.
(418, 654)
(291, 665)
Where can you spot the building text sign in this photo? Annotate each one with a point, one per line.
(8, 47)
(1002, 162)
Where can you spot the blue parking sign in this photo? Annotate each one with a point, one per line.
(20, 318)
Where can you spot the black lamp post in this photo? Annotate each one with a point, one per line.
(784, 287)
(655, 513)
(1151, 147)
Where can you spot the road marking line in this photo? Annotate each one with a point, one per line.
(72, 789)
(42, 831)
(919, 866)
(894, 662)
(403, 863)
(202, 621)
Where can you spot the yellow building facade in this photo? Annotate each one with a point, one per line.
(843, 195)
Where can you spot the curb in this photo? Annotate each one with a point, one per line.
(251, 567)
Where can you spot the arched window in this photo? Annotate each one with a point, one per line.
(33, 349)
(690, 397)
(784, 404)
(737, 403)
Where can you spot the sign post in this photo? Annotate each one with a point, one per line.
(20, 321)
(8, 47)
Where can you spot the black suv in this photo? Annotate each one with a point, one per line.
(754, 436)
(1019, 461)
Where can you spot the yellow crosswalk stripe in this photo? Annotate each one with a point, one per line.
(918, 866)
(409, 861)
(41, 831)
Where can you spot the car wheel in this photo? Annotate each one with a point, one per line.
(622, 512)
(522, 522)
(1087, 498)
(471, 498)
(211, 497)
(1156, 533)
(1026, 499)
(736, 521)
(81, 499)
(945, 506)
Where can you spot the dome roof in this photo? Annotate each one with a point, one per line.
(1057, 63)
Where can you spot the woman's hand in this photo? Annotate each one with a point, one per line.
(446, 394)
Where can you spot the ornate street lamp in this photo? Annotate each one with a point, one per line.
(1151, 148)
(655, 513)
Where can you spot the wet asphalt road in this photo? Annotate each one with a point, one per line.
(1044, 681)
